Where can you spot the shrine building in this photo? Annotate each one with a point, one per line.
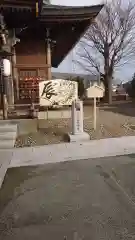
(40, 36)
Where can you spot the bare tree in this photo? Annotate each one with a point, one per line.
(109, 42)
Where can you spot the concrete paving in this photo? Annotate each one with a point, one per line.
(86, 199)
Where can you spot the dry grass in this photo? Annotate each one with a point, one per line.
(111, 122)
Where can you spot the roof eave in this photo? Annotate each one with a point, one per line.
(86, 17)
(65, 10)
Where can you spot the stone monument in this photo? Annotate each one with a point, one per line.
(78, 133)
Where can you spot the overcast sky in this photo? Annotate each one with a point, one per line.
(75, 2)
(67, 65)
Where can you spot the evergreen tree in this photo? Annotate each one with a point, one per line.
(131, 87)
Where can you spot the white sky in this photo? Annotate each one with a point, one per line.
(76, 2)
(67, 65)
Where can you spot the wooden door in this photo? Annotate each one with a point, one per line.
(23, 73)
(28, 85)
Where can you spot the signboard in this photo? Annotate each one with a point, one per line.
(57, 92)
(95, 92)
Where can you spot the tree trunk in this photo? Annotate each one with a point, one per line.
(108, 89)
(108, 75)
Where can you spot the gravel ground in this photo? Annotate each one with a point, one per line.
(113, 122)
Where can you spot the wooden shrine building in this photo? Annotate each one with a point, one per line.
(40, 35)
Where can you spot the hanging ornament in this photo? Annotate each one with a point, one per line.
(6, 67)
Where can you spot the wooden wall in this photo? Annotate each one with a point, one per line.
(30, 64)
(30, 55)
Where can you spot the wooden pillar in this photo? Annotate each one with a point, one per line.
(15, 74)
(11, 86)
(6, 46)
(49, 62)
(4, 103)
(9, 90)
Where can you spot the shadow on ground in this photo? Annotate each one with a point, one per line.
(126, 109)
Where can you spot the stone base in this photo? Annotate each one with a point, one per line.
(56, 114)
(79, 137)
(8, 134)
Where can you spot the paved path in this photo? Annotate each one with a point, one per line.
(87, 199)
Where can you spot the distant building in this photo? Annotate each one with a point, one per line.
(89, 80)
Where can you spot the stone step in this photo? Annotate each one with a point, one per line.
(5, 159)
(7, 135)
(7, 144)
(8, 127)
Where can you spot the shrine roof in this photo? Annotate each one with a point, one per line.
(67, 24)
(17, 4)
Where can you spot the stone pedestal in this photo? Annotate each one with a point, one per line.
(78, 134)
(79, 137)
